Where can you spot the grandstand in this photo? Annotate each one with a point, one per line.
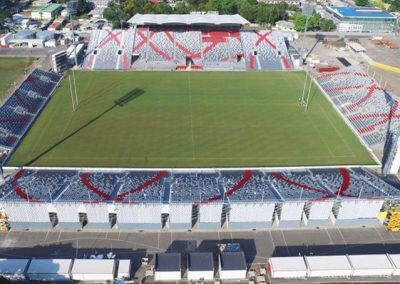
(22, 108)
(177, 42)
(201, 196)
(366, 105)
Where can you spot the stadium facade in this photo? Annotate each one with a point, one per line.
(363, 19)
(197, 198)
(181, 42)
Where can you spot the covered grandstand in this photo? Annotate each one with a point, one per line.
(187, 42)
(184, 200)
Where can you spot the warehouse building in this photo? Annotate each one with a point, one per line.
(363, 19)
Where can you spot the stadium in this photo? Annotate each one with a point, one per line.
(222, 147)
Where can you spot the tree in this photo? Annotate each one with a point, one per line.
(394, 6)
(4, 15)
(247, 9)
(362, 2)
(326, 25)
(299, 21)
(115, 15)
(181, 8)
(82, 7)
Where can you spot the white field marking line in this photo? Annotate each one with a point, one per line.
(191, 115)
(204, 158)
(379, 234)
(286, 245)
(322, 139)
(47, 234)
(91, 239)
(272, 241)
(77, 248)
(345, 243)
(337, 131)
(330, 238)
(59, 236)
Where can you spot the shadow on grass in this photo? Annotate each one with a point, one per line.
(122, 101)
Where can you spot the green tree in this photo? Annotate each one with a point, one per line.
(247, 10)
(181, 8)
(4, 15)
(326, 25)
(115, 15)
(362, 2)
(394, 6)
(299, 22)
(82, 7)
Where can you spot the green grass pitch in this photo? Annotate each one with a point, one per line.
(11, 70)
(189, 119)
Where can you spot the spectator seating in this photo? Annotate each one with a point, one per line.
(21, 108)
(193, 187)
(298, 185)
(185, 48)
(364, 103)
(256, 189)
(265, 50)
(140, 187)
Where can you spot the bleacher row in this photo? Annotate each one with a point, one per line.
(148, 48)
(369, 108)
(196, 188)
(22, 107)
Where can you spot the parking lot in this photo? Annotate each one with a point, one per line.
(258, 245)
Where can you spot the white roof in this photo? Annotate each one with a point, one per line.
(206, 19)
(93, 266)
(50, 266)
(332, 262)
(13, 266)
(291, 263)
(395, 259)
(370, 261)
(124, 266)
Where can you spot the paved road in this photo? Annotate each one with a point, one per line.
(258, 245)
(29, 52)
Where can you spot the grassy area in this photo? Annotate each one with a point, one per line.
(11, 70)
(188, 119)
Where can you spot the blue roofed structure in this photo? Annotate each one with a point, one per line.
(363, 19)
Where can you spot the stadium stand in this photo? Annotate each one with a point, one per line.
(22, 107)
(372, 111)
(194, 188)
(180, 48)
(165, 187)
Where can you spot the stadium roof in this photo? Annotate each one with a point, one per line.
(360, 12)
(192, 19)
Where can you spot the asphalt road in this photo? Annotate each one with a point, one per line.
(29, 52)
(258, 245)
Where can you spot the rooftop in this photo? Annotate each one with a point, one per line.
(168, 262)
(360, 12)
(233, 261)
(202, 19)
(201, 261)
(47, 8)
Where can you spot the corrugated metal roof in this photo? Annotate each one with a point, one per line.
(360, 12)
(206, 19)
